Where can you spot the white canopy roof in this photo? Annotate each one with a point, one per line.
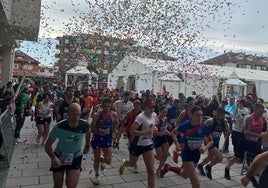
(170, 77)
(81, 70)
(203, 70)
(235, 82)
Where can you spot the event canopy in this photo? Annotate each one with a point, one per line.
(81, 70)
(235, 82)
(170, 77)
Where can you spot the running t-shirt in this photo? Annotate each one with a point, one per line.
(145, 123)
(195, 140)
(69, 139)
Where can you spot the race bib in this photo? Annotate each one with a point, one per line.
(172, 121)
(66, 158)
(107, 130)
(216, 134)
(194, 144)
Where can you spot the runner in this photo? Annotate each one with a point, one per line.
(43, 119)
(189, 137)
(121, 107)
(67, 156)
(161, 145)
(142, 144)
(217, 125)
(104, 123)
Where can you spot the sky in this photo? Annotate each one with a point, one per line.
(207, 29)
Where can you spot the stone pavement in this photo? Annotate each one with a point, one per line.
(30, 169)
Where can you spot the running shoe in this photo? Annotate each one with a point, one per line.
(200, 169)
(19, 140)
(227, 174)
(122, 167)
(96, 180)
(164, 170)
(134, 169)
(102, 164)
(208, 171)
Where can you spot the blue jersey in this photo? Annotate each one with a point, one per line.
(195, 140)
(107, 126)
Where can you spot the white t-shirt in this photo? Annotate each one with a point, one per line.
(122, 108)
(146, 123)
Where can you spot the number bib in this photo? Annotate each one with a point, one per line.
(66, 158)
(194, 144)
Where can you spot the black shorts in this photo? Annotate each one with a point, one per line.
(236, 137)
(43, 121)
(159, 141)
(214, 145)
(190, 155)
(136, 150)
(76, 165)
(249, 146)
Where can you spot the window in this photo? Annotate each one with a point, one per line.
(248, 66)
(30, 67)
(250, 58)
(27, 67)
(258, 67)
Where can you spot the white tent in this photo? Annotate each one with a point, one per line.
(235, 82)
(200, 78)
(170, 81)
(171, 77)
(78, 71)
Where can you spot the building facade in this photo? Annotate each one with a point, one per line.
(24, 64)
(102, 53)
(239, 60)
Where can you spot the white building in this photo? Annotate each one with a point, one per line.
(140, 74)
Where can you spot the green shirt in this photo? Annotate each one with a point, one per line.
(69, 139)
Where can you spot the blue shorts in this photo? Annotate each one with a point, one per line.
(190, 155)
(99, 142)
(159, 141)
(136, 150)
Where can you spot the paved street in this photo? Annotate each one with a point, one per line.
(30, 169)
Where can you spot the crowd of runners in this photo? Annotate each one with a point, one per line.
(152, 123)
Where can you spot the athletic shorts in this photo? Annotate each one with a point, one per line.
(249, 146)
(43, 121)
(214, 145)
(99, 142)
(76, 165)
(190, 155)
(159, 141)
(137, 150)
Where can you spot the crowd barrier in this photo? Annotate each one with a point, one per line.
(7, 128)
